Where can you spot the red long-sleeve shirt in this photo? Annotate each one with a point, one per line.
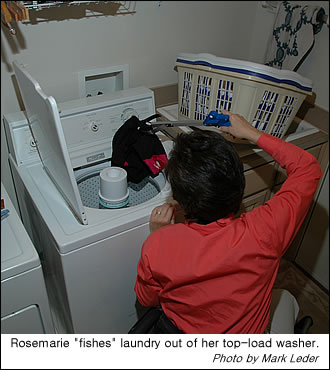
(218, 278)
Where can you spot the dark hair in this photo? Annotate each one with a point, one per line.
(206, 176)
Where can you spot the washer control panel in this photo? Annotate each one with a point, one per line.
(90, 126)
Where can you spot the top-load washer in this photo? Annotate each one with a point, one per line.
(90, 255)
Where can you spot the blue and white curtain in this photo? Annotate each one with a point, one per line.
(293, 34)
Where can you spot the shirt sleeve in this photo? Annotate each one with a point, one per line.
(276, 223)
(146, 287)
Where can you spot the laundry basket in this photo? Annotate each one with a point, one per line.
(266, 97)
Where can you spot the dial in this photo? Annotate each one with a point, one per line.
(128, 113)
(94, 126)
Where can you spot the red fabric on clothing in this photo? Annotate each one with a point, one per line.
(156, 163)
(218, 278)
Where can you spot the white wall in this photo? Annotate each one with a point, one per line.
(148, 41)
(315, 66)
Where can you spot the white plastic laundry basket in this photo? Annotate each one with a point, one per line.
(267, 97)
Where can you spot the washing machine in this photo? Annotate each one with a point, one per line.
(24, 302)
(89, 254)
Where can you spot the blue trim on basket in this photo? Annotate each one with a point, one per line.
(247, 72)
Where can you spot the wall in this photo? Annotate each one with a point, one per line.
(148, 40)
(315, 66)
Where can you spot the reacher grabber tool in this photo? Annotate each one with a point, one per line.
(213, 119)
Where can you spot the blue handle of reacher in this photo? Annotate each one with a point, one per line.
(216, 119)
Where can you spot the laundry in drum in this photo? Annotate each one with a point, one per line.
(138, 150)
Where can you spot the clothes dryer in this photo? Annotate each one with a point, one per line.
(90, 254)
(24, 301)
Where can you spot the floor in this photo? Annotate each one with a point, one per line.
(312, 300)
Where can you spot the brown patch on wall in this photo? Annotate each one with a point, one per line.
(165, 95)
(314, 114)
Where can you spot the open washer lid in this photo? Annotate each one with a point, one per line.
(45, 125)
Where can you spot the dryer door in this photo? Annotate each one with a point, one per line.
(46, 128)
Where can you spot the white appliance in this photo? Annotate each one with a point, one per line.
(24, 302)
(316, 260)
(90, 254)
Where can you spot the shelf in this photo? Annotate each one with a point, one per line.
(124, 7)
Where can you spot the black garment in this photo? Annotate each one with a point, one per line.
(138, 150)
(165, 326)
(154, 321)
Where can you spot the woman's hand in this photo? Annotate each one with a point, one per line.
(241, 128)
(161, 216)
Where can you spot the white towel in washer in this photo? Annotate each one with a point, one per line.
(293, 34)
